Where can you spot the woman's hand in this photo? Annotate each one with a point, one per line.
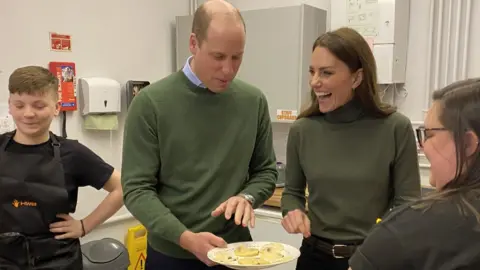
(69, 228)
(296, 221)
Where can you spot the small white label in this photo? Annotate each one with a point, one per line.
(286, 115)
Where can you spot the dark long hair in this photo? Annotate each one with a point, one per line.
(460, 113)
(350, 47)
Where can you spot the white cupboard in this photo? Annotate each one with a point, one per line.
(268, 228)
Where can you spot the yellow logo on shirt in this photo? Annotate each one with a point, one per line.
(17, 203)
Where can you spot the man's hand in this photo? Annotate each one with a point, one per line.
(240, 207)
(69, 228)
(199, 244)
(296, 221)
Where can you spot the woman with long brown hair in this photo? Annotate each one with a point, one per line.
(357, 156)
(442, 230)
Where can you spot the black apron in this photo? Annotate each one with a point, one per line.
(32, 193)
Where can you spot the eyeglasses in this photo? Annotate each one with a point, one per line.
(422, 134)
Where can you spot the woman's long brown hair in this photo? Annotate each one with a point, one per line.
(350, 47)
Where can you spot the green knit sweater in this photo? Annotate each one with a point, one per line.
(186, 150)
(356, 167)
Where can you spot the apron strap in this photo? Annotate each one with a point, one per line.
(56, 147)
(55, 144)
(8, 136)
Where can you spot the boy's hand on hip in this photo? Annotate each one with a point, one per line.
(68, 228)
(238, 206)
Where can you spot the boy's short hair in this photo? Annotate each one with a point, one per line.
(32, 80)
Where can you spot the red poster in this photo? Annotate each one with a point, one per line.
(67, 92)
(60, 42)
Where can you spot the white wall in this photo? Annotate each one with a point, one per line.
(121, 39)
(417, 61)
(473, 69)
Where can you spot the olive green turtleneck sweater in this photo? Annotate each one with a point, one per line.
(356, 168)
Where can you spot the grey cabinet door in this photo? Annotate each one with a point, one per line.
(183, 28)
(272, 55)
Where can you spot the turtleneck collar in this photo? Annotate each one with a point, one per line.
(347, 113)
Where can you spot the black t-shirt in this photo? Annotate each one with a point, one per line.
(82, 167)
(440, 238)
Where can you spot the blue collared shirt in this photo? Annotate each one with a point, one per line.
(190, 75)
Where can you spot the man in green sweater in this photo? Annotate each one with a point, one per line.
(198, 153)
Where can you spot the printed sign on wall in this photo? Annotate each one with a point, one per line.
(286, 115)
(60, 42)
(67, 91)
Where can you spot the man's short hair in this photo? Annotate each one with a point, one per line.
(32, 80)
(202, 19)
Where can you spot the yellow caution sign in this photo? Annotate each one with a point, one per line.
(136, 244)
(140, 265)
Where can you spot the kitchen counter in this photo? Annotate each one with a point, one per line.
(269, 212)
(276, 198)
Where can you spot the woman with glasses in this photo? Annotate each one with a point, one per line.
(442, 230)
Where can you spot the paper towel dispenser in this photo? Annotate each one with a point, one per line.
(99, 95)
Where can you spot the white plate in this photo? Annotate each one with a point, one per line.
(290, 253)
